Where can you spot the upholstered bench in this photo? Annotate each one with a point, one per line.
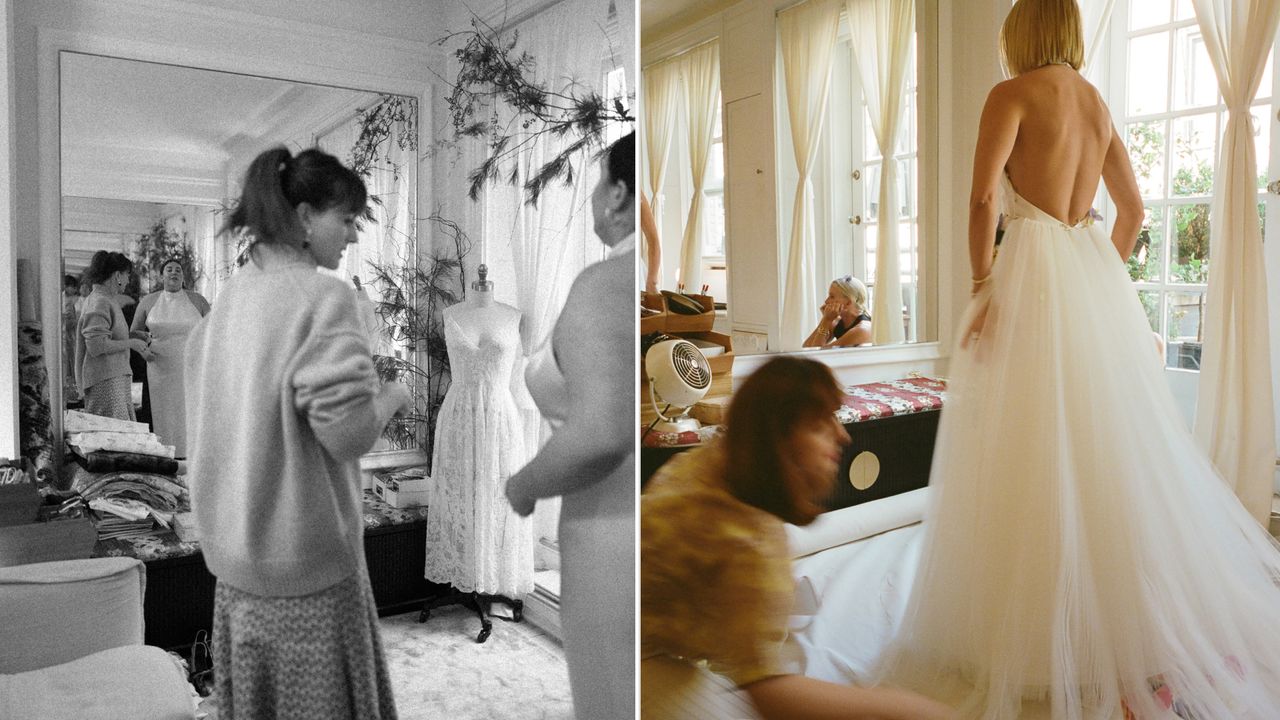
(892, 427)
(179, 600)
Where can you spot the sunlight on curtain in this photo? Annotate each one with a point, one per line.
(550, 243)
(880, 35)
(808, 36)
(1235, 417)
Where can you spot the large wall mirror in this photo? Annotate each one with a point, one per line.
(748, 194)
(152, 155)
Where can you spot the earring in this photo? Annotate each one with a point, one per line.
(307, 243)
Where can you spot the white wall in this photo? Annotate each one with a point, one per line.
(8, 251)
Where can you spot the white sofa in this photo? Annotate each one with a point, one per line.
(71, 645)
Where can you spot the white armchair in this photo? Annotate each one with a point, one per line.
(71, 645)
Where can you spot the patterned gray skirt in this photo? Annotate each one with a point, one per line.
(313, 657)
(111, 398)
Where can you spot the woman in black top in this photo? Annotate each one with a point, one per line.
(845, 322)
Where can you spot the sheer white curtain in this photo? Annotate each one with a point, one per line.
(880, 34)
(700, 69)
(1096, 15)
(807, 35)
(552, 242)
(1234, 414)
(661, 93)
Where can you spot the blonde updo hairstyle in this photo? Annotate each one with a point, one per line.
(1041, 32)
(852, 288)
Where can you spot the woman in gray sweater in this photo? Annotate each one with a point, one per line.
(103, 342)
(282, 400)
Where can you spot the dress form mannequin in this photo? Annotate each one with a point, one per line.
(475, 542)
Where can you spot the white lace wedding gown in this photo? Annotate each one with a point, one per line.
(1080, 549)
(475, 541)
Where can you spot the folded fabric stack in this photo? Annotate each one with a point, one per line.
(129, 478)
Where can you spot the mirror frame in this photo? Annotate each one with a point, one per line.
(51, 43)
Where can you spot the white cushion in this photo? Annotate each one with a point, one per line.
(136, 682)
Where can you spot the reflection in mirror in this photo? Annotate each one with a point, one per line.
(152, 155)
(855, 212)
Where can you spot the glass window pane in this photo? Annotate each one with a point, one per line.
(871, 188)
(1145, 264)
(713, 226)
(1149, 73)
(1184, 11)
(1261, 142)
(714, 179)
(907, 127)
(1194, 140)
(1146, 152)
(906, 258)
(1189, 254)
(905, 184)
(1262, 219)
(1194, 82)
(1151, 304)
(1185, 329)
(869, 236)
(1148, 13)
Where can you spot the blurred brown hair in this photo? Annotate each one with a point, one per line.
(786, 393)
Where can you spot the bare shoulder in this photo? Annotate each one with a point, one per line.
(602, 296)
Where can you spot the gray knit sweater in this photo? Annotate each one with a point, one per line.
(281, 402)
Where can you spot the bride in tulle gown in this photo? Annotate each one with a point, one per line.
(1080, 550)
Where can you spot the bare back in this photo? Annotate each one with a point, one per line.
(1064, 132)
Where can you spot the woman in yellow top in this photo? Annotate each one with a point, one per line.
(715, 582)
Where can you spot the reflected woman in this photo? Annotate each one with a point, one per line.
(845, 322)
(168, 316)
(103, 342)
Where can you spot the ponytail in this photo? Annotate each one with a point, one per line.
(278, 182)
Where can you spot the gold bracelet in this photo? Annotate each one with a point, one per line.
(979, 282)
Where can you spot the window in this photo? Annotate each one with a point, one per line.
(853, 168)
(1164, 96)
(713, 195)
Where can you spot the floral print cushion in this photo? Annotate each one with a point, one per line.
(870, 401)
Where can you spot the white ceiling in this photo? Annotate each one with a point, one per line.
(126, 123)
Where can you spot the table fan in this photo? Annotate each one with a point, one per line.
(679, 376)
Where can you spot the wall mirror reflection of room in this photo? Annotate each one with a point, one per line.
(152, 156)
(734, 217)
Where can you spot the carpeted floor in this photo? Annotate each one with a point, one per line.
(438, 670)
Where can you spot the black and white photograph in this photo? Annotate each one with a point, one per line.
(320, 363)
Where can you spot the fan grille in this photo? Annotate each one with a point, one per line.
(691, 365)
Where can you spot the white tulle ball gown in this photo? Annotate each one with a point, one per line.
(1080, 550)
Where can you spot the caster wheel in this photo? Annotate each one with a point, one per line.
(422, 616)
(484, 635)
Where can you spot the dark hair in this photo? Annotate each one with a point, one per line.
(277, 183)
(784, 394)
(622, 161)
(70, 281)
(105, 264)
